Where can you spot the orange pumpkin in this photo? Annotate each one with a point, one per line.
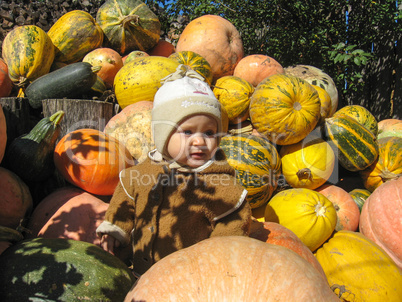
(15, 199)
(257, 67)
(274, 233)
(389, 127)
(6, 85)
(163, 48)
(109, 60)
(91, 160)
(3, 133)
(346, 209)
(217, 40)
(232, 268)
(380, 219)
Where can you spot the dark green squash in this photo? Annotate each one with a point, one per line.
(30, 156)
(43, 269)
(355, 145)
(70, 81)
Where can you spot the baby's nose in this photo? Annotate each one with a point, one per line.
(198, 139)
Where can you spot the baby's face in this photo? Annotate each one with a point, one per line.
(194, 142)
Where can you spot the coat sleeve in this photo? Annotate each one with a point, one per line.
(119, 217)
(235, 223)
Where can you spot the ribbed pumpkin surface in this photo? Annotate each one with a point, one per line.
(362, 115)
(28, 52)
(257, 165)
(139, 79)
(195, 61)
(354, 144)
(75, 34)
(308, 163)
(325, 101)
(387, 167)
(309, 214)
(284, 109)
(357, 269)
(128, 25)
(234, 94)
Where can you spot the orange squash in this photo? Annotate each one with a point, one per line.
(357, 269)
(380, 219)
(15, 200)
(274, 233)
(255, 68)
(217, 40)
(307, 213)
(91, 160)
(6, 85)
(389, 127)
(346, 208)
(232, 268)
(285, 109)
(163, 48)
(234, 95)
(109, 60)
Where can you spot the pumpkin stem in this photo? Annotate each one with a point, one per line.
(132, 20)
(387, 175)
(320, 209)
(304, 173)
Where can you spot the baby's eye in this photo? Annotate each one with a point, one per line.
(187, 132)
(209, 133)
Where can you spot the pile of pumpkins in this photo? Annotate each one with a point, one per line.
(313, 236)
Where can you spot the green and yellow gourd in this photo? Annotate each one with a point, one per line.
(355, 145)
(360, 196)
(194, 61)
(74, 35)
(362, 115)
(28, 52)
(128, 25)
(257, 165)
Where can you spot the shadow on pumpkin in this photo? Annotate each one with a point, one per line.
(61, 270)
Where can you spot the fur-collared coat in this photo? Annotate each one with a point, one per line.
(162, 209)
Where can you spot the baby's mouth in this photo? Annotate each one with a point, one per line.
(197, 155)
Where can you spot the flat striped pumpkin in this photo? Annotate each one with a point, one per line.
(128, 25)
(387, 167)
(28, 52)
(195, 61)
(75, 34)
(257, 165)
(355, 145)
(285, 109)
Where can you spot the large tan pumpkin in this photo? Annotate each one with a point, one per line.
(217, 40)
(380, 219)
(232, 268)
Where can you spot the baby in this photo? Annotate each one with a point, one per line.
(185, 191)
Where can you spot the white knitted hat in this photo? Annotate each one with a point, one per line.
(183, 94)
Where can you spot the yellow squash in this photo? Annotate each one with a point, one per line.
(309, 214)
(357, 269)
(308, 163)
(138, 80)
(28, 53)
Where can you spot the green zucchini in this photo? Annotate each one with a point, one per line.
(70, 81)
(30, 156)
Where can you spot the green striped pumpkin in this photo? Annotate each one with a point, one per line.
(285, 109)
(354, 144)
(195, 61)
(75, 34)
(28, 53)
(128, 25)
(362, 115)
(360, 196)
(257, 165)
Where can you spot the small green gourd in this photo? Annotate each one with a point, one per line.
(30, 156)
